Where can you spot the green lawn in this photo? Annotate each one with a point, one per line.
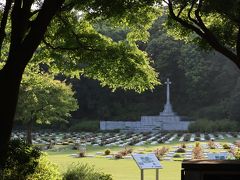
(123, 169)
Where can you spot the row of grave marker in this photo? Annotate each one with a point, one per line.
(117, 139)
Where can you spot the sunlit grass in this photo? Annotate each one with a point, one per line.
(123, 169)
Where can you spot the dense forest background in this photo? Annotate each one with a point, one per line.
(205, 85)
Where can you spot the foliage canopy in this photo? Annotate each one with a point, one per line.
(208, 23)
(43, 99)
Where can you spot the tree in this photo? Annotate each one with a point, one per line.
(79, 50)
(202, 81)
(210, 24)
(43, 100)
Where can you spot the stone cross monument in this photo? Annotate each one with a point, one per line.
(168, 107)
(168, 90)
(166, 121)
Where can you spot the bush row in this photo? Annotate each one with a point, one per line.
(88, 126)
(213, 126)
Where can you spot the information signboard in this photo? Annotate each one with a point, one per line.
(147, 161)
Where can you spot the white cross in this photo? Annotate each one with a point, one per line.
(168, 90)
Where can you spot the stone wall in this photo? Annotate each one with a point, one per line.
(179, 126)
(147, 123)
(111, 125)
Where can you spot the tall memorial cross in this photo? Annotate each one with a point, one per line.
(168, 90)
(168, 107)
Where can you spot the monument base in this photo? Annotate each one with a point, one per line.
(148, 124)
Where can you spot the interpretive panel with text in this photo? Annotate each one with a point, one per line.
(147, 161)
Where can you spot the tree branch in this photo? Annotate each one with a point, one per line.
(4, 23)
(67, 24)
(238, 44)
(190, 11)
(183, 22)
(17, 25)
(39, 26)
(211, 39)
(27, 5)
(204, 32)
(181, 9)
(59, 47)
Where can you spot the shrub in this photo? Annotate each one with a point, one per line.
(86, 125)
(177, 156)
(22, 159)
(123, 153)
(45, 170)
(183, 145)
(107, 152)
(160, 152)
(82, 154)
(204, 125)
(237, 143)
(84, 172)
(118, 156)
(197, 144)
(129, 150)
(197, 152)
(225, 146)
(126, 151)
(235, 153)
(211, 144)
(180, 150)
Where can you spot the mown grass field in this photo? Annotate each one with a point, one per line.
(123, 169)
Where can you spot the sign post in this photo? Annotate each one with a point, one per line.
(142, 174)
(157, 174)
(147, 161)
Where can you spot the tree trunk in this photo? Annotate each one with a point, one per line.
(9, 83)
(23, 43)
(29, 131)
